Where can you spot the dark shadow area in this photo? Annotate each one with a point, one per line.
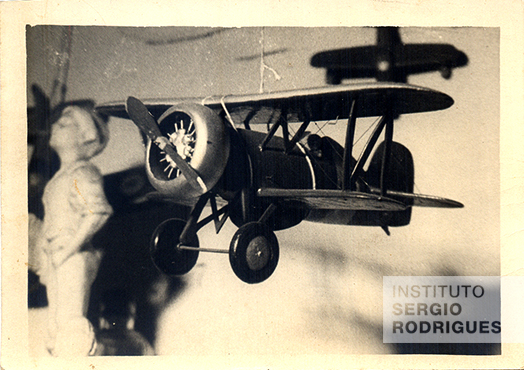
(127, 266)
(36, 292)
(470, 349)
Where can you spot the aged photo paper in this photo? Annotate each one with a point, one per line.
(323, 305)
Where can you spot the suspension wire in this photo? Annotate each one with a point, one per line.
(369, 128)
(314, 159)
(319, 129)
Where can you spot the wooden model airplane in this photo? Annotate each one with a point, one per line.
(201, 149)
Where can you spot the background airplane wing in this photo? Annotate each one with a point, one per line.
(317, 104)
(333, 199)
(361, 62)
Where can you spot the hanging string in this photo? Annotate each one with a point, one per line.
(261, 42)
(263, 65)
(223, 104)
(59, 89)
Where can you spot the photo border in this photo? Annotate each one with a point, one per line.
(15, 15)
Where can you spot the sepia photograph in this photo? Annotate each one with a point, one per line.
(261, 195)
(230, 190)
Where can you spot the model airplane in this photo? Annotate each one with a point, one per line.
(199, 150)
(388, 60)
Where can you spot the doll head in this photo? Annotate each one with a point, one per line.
(77, 128)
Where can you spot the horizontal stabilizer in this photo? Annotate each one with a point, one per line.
(334, 199)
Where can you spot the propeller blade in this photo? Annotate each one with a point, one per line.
(141, 117)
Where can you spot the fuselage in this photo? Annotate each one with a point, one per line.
(251, 168)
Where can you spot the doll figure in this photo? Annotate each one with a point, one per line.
(75, 208)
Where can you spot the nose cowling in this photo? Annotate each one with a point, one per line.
(200, 138)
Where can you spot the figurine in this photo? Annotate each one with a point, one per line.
(75, 208)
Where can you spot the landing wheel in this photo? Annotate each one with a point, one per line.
(166, 254)
(254, 252)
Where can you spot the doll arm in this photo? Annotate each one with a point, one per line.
(65, 248)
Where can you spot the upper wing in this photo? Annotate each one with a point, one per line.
(315, 104)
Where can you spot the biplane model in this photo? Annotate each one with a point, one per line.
(204, 150)
(389, 60)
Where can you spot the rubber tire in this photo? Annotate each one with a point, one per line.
(247, 237)
(164, 248)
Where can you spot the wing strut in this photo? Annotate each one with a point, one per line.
(359, 167)
(386, 121)
(282, 122)
(386, 155)
(348, 147)
(298, 135)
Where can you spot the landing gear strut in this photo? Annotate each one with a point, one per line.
(253, 252)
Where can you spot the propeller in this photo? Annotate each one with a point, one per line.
(141, 117)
